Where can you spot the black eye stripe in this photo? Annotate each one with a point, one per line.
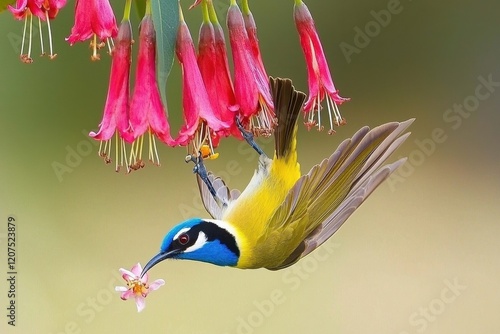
(212, 232)
(215, 232)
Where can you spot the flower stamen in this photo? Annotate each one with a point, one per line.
(202, 143)
(93, 44)
(52, 55)
(24, 36)
(153, 149)
(111, 45)
(26, 58)
(135, 160)
(264, 121)
(120, 152)
(41, 37)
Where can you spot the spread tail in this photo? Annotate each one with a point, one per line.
(288, 103)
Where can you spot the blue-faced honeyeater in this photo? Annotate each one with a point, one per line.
(282, 216)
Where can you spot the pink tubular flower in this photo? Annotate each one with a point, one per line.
(201, 123)
(147, 113)
(251, 29)
(93, 18)
(45, 10)
(116, 110)
(318, 74)
(214, 68)
(137, 286)
(250, 87)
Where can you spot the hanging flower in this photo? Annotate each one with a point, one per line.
(44, 10)
(116, 111)
(250, 87)
(320, 81)
(201, 123)
(214, 68)
(147, 113)
(93, 19)
(137, 286)
(251, 29)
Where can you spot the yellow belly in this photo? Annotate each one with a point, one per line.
(251, 212)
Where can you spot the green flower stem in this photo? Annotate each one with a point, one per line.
(181, 14)
(204, 11)
(245, 7)
(148, 7)
(212, 13)
(298, 2)
(126, 12)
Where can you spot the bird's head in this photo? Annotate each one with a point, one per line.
(205, 240)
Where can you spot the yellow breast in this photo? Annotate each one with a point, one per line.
(251, 212)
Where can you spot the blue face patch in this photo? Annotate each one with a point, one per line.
(218, 245)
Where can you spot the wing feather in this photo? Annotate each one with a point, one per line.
(216, 206)
(335, 188)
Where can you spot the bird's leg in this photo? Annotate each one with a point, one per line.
(200, 169)
(248, 137)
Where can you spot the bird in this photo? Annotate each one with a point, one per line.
(282, 216)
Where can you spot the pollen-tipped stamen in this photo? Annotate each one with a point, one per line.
(264, 122)
(21, 55)
(93, 44)
(52, 55)
(153, 151)
(202, 143)
(105, 152)
(41, 37)
(26, 58)
(111, 45)
(339, 120)
(135, 159)
(120, 152)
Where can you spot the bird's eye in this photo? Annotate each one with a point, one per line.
(183, 239)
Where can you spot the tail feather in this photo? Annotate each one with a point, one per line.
(335, 188)
(288, 103)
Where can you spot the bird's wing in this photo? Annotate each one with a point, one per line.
(325, 197)
(216, 206)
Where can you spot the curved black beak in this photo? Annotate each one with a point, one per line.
(157, 259)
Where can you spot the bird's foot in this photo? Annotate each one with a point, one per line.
(248, 136)
(200, 169)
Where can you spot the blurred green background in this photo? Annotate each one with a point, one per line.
(420, 256)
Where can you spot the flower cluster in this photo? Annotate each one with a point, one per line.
(212, 98)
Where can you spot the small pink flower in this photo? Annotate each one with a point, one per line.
(201, 122)
(137, 286)
(93, 18)
(250, 87)
(214, 68)
(147, 113)
(116, 110)
(318, 74)
(45, 10)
